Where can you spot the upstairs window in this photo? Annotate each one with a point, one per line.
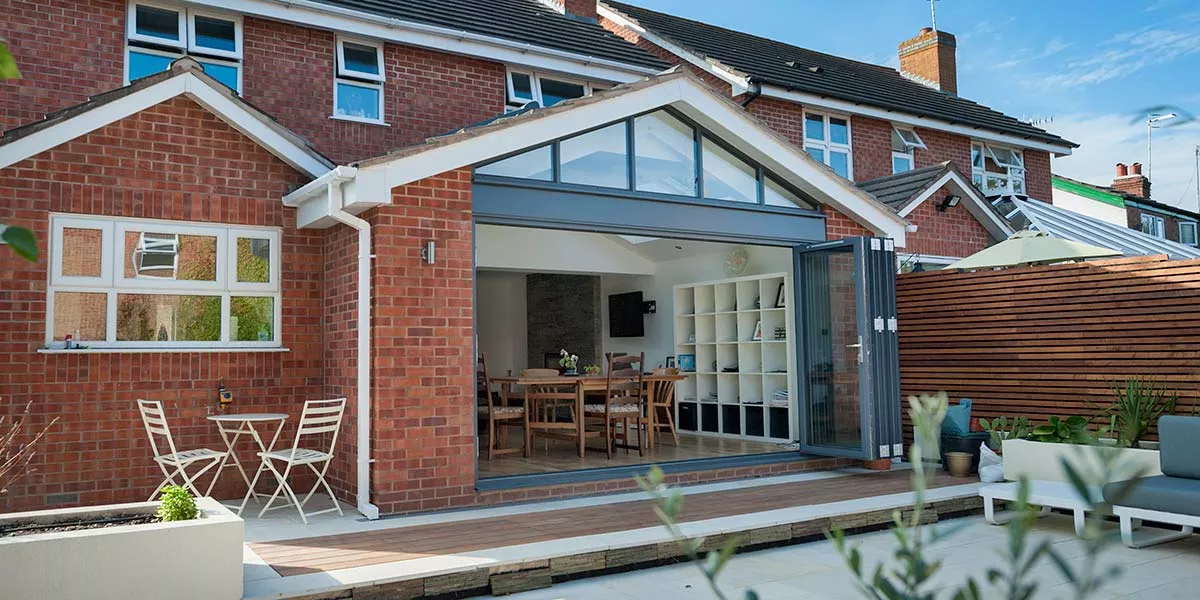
(1187, 233)
(526, 87)
(1155, 226)
(997, 170)
(904, 142)
(827, 139)
(157, 34)
(358, 85)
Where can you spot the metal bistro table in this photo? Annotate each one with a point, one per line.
(232, 427)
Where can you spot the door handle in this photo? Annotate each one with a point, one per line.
(859, 346)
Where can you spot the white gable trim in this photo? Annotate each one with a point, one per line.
(684, 93)
(976, 204)
(199, 90)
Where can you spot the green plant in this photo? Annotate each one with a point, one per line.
(1071, 430)
(1137, 404)
(998, 430)
(591, 369)
(177, 505)
(21, 240)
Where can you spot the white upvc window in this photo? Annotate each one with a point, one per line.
(523, 87)
(358, 83)
(827, 139)
(1155, 226)
(158, 33)
(1187, 232)
(997, 169)
(143, 283)
(904, 142)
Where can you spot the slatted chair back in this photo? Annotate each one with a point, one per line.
(319, 419)
(484, 381)
(662, 393)
(625, 379)
(155, 421)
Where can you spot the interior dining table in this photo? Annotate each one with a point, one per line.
(583, 384)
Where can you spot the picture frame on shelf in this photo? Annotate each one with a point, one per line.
(670, 362)
(757, 332)
(781, 298)
(687, 363)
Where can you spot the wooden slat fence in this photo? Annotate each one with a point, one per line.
(1048, 340)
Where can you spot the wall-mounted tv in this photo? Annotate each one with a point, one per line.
(625, 315)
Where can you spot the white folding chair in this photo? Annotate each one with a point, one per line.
(320, 417)
(175, 462)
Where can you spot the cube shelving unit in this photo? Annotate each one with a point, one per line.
(716, 321)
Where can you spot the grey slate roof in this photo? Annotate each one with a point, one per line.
(525, 21)
(803, 70)
(898, 190)
(1069, 225)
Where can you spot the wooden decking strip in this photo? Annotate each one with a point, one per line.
(327, 553)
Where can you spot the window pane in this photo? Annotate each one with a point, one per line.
(839, 131)
(596, 158)
(358, 101)
(554, 92)
(898, 144)
(531, 164)
(900, 164)
(774, 194)
(665, 155)
(840, 162)
(226, 74)
(217, 34)
(142, 64)
(522, 87)
(814, 127)
(82, 252)
(157, 22)
(252, 319)
(170, 256)
(976, 156)
(727, 177)
(360, 58)
(85, 313)
(253, 260)
(816, 153)
(1187, 233)
(163, 318)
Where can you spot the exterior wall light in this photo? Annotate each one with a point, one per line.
(950, 202)
(429, 252)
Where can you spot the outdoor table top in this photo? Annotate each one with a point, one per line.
(243, 417)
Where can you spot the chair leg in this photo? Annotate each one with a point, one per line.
(491, 435)
(528, 436)
(671, 425)
(608, 436)
(641, 437)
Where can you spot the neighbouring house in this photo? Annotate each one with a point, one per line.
(1127, 203)
(307, 200)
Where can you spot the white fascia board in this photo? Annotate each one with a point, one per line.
(739, 82)
(908, 119)
(977, 205)
(252, 127)
(343, 20)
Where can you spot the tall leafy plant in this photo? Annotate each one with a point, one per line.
(999, 430)
(1138, 402)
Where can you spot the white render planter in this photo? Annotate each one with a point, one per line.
(201, 558)
(1043, 460)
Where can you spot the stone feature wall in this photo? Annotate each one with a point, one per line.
(563, 312)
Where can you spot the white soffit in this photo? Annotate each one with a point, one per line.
(976, 204)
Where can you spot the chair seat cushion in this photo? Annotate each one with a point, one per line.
(1163, 493)
(503, 410)
(613, 408)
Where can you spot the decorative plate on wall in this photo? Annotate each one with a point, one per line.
(736, 261)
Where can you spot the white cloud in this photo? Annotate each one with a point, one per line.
(1108, 139)
(1127, 53)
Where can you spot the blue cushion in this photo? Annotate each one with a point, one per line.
(1179, 446)
(1176, 495)
(958, 419)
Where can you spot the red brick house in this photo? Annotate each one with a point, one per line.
(263, 195)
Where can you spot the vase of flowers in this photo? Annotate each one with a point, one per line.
(569, 362)
(591, 369)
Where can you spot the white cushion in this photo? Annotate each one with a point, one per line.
(503, 410)
(614, 408)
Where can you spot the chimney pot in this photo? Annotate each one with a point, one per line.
(930, 57)
(1136, 168)
(926, 30)
(1122, 170)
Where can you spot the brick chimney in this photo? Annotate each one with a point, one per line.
(1131, 181)
(930, 58)
(583, 9)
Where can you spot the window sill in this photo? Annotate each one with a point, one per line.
(159, 350)
(360, 121)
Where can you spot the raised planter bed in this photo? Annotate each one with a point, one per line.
(201, 558)
(1043, 460)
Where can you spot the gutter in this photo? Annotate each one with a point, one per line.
(334, 180)
(754, 93)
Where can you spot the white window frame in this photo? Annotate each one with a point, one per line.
(344, 76)
(910, 143)
(186, 45)
(1158, 225)
(828, 144)
(535, 87)
(1190, 225)
(1012, 171)
(112, 280)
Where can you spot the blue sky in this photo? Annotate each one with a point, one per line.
(1092, 66)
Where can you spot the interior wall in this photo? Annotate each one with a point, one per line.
(562, 313)
(659, 341)
(552, 251)
(501, 324)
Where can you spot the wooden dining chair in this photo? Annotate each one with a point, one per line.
(623, 402)
(544, 401)
(498, 416)
(662, 403)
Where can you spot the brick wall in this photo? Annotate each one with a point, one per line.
(340, 345)
(288, 72)
(162, 163)
(1170, 223)
(1037, 175)
(563, 312)
(954, 232)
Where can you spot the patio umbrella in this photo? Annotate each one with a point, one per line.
(1028, 247)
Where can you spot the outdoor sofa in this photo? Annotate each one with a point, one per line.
(1171, 498)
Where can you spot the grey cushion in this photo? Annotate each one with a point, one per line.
(1179, 446)
(1178, 495)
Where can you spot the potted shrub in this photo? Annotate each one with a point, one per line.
(1040, 457)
